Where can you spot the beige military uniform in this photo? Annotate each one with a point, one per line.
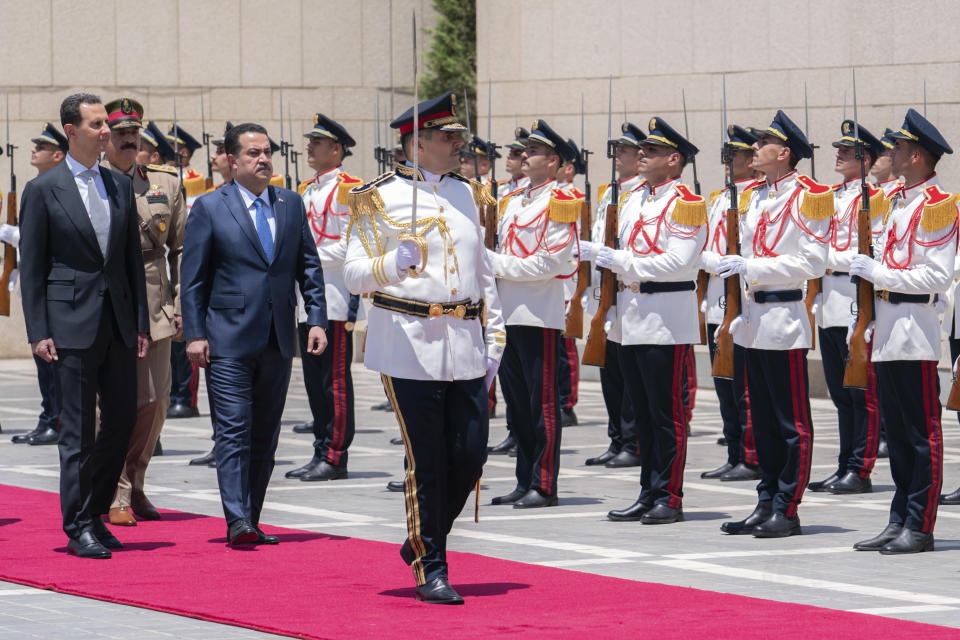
(163, 214)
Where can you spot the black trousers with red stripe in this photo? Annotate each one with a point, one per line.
(857, 411)
(531, 389)
(909, 395)
(621, 422)
(568, 366)
(654, 377)
(329, 386)
(780, 410)
(734, 406)
(444, 425)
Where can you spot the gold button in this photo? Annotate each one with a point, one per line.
(441, 209)
(460, 311)
(450, 250)
(453, 292)
(453, 269)
(436, 310)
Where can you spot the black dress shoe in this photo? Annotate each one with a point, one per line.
(778, 526)
(716, 473)
(621, 460)
(242, 532)
(504, 446)
(740, 472)
(263, 538)
(22, 438)
(86, 545)
(891, 531)
(882, 450)
(438, 591)
(104, 536)
(303, 427)
(722, 441)
(851, 482)
(205, 459)
(631, 513)
(533, 499)
(510, 498)
(951, 498)
(568, 418)
(182, 411)
(396, 440)
(395, 485)
(299, 472)
(662, 514)
(47, 436)
(823, 484)
(746, 526)
(909, 541)
(383, 406)
(609, 454)
(326, 471)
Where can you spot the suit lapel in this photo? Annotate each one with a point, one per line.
(117, 213)
(234, 204)
(279, 205)
(68, 195)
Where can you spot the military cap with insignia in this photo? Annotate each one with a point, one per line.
(790, 134)
(176, 136)
(662, 134)
(887, 140)
(152, 134)
(541, 132)
(437, 113)
(324, 127)
(918, 129)
(480, 147)
(274, 147)
(520, 136)
(741, 138)
(50, 135)
(848, 139)
(223, 136)
(124, 112)
(577, 157)
(631, 135)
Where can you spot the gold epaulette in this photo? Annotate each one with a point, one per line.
(713, 196)
(347, 182)
(602, 190)
(276, 181)
(504, 201)
(690, 209)
(564, 207)
(365, 200)
(744, 199)
(193, 186)
(165, 168)
(818, 203)
(303, 186)
(939, 209)
(481, 194)
(879, 205)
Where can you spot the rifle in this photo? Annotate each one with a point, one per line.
(723, 366)
(491, 212)
(294, 155)
(206, 137)
(857, 372)
(595, 351)
(284, 147)
(703, 278)
(9, 251)
(815, 286)
(574, 328)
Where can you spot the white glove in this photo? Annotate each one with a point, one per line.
(817, 299)
(863, 266)
(703, 305)
(731, 265)
(492, 367)
(491, 254)
(10, 234)
(955, 363)
(408, 255)
(940, 306)
(867, 334)
(588, 250)
(738, 324)
(13, 279)
(604, 257)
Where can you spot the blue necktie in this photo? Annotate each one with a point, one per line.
(263, 230)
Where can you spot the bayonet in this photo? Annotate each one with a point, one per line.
(471, 146)
(686, 133)
(206, 137)
(924, 97)
(806, 132)
(176, 143)
(284, 147)
(294, 155)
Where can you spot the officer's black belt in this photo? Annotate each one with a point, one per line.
(657, 287)
(831, 272)
(462, 309)
(897, 298)
(149, 255)
(787, 295)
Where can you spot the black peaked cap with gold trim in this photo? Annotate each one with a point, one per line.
(541, 132)
(918, 129)
(50, 135)
(792, 136)
(324, 127)
(662, 134)
(223, 136)
(887, 140)
(577, 157)
(520, 136)
(152, 134)
(849, 133)
(176, 136)
(740, 138)
(631, 135)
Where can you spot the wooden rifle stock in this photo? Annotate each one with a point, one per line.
(574, 328)
(857, 372)
(953, 402)
(9, 256)
(208, 183)
(595, 351)
(814, 287)
(490, 221)
(723, 366)
(703, 279)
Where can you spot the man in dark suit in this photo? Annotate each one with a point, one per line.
(246, 244)
(84, 303)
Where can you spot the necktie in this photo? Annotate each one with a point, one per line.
(98, 212)
(263, 230)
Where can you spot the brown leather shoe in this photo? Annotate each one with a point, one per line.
(143, 508)
(122, 517)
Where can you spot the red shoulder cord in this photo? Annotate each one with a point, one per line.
(312, 215)
(515, 245)
(639, 229)
(765, 250)
(910, 235)
(835, 223)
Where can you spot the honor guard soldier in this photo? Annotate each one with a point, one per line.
(50, 148)
(153, 146)
(663, 229)
(784, 236)
(432, 287)
(882, 170)
(162, 214)
(479, 149)
(538, 242)
(741, 461)
(624, 448)
(327, 376)
(857, 413)
(911, 269)
(219, 160)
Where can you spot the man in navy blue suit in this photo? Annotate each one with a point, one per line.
(245, 246)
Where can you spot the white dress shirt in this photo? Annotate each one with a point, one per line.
(248, 200)
(77, 169)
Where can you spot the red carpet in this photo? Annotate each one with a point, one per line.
(315, 585)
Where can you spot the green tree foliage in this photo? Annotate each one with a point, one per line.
(451, 60)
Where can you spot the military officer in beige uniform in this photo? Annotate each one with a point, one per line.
(162, 217)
